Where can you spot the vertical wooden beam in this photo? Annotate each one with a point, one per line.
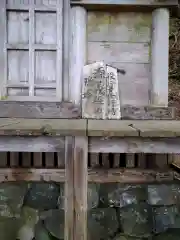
(78, 51)
(31, 48)
(69, 189)
(80, 187)
(3, 53)
(159, 57)
(59, 50)
(66, 48)
(130, 160)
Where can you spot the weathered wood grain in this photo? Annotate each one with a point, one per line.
(149, 128)
(80, 187)
(66, 49)
(38, 127)
(111, 128)
(110, 52)
(78, 51)
(160, 57)
(129, 112)
(3, 159)
(31, 144)
(134, 145)
(130, 176)
(15, 109)
(69, 188)
(175, 161)
(130, 160)
(147, 3)
(119, 26)
(18, 174)
(3, 52)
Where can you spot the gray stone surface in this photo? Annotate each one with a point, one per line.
(161, 194)
(54, 223)
(42, 196)
(102, 223)
(165, 217)
(135, 220)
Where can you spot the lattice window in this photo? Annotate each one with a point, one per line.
(31, 33)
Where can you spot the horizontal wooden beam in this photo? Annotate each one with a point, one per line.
(92, 128)
(39, 127)
(130, 176)
(127, 3)
(31, 144)
(133, 128)
(134, 145)
(17, 109)
(63, 110)
(129, 112)
(17, 174)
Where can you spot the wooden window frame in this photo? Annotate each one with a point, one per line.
(31, 47)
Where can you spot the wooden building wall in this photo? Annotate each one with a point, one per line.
(123, 40)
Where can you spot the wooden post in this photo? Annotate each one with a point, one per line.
(78, 51)
(80, 187)
(66, 48)
(159, 57)
(69, 188)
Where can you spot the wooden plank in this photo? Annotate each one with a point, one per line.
(26, 159)
(14, 159)
(105, 160)
(160, 57)
(111, 128)
(37, 160)
(69, 188)
(78, 51)
(31, 144)
(129, 176)
(49, 159)
(109, 52)
(17, 27)
(32, 60)
(149, 128)
(3, 159)
(134, 145)
(161, 161)
(80, 187)
(59, 60)
(46, 71)
(157, 128)
(19, 174)
(147, 3)
(39, 127)
(3, 52)
(60, 160)
(116, 161)
(15, 109)
(130, 160)
(104, 26)
(147, 113)
(66, 49)
(176, 161)
(142, 160)
(94, 160)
